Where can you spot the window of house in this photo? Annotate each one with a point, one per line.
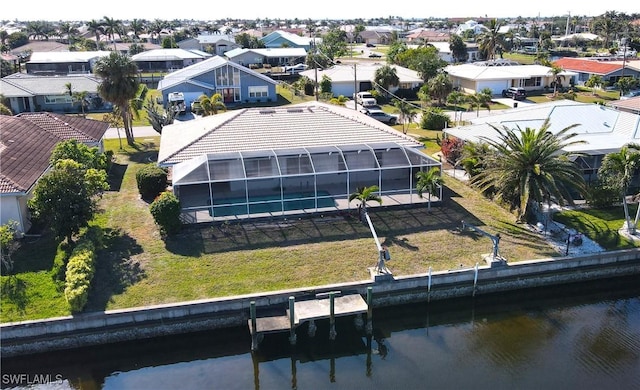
(57, 99)
(258, 91)
(533, 82)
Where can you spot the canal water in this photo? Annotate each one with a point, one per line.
(582, 336)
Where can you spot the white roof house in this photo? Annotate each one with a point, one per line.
(343, 78)
(287, 160)
(500, 75)
(167, 59)
(603, 129)
(274, 56)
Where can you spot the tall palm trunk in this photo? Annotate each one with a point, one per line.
(631, 228)
(126, 120)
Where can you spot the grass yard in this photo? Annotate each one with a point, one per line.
(138, 268)
(600, 225)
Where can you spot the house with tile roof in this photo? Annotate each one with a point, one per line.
(280, 38)
(601, 129)
(30, 93)
(305, 158)
(167, 60)
(216, 44)
(346, 78)
(25, 148)
(236, 83)
(63, 63)
(609, 69)
(500, 75)
(275, 57)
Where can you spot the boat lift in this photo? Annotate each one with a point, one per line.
(380, 271)
(493, 258)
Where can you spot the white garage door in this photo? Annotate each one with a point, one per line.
(496, 86)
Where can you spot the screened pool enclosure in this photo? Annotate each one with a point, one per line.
(295, 180)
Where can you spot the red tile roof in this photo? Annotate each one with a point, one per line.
(587, 65)
(28, 140)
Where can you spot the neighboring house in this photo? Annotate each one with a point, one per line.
(25, 148)
(236, 83)
(631, 105)
(305, 158)
(281, 38)
(428, 35)
(344, 80)
(500, 75)
(444, 51)
(167, 60)
(29, 93)
(216, 44)
(609, 70)
(603, 129)
(63, 63)
(472, 25)
(274, 57)
(375, 37)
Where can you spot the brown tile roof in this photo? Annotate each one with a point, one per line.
(27, 142)
(587, 65)
(68, 127)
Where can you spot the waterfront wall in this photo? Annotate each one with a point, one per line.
(88, 329)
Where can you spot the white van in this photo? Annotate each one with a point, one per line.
(366, 99)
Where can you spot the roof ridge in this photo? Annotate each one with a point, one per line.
(206, 133)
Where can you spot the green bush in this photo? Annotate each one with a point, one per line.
(152, 180)
(434, 119)
(79, 275)
(600, 195)
(166, 212)
(59, 268)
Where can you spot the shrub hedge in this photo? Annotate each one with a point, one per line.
(79, 274)
(151, 180)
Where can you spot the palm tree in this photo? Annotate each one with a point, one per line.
(617, 171)
(211, 105)
(557, 77)
(439, 87)
(429, 182)
(119, 85)
(491, 40)
(456, 99)
(407, 113)
(137, 26)
(69, 31)
(384, 77)
(364, 195)
(96, 28)
(481, 99)
(531, 165)
(112, 27)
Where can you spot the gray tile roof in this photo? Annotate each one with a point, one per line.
(301, 125)
(21, 84)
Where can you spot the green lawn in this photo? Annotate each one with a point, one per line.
(600, 225)
(138, 268)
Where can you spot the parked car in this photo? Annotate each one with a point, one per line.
(365, 99)
(375, 55)
(630, 95)
(515, 93)
(295, 68)
(383, 117)
(370, 45)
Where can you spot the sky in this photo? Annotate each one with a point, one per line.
(318, 9)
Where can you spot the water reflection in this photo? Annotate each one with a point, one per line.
(579, 337)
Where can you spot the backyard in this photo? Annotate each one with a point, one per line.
(136, 267)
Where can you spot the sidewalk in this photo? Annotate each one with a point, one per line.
(138, 132)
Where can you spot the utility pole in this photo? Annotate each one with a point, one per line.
(355, 87)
